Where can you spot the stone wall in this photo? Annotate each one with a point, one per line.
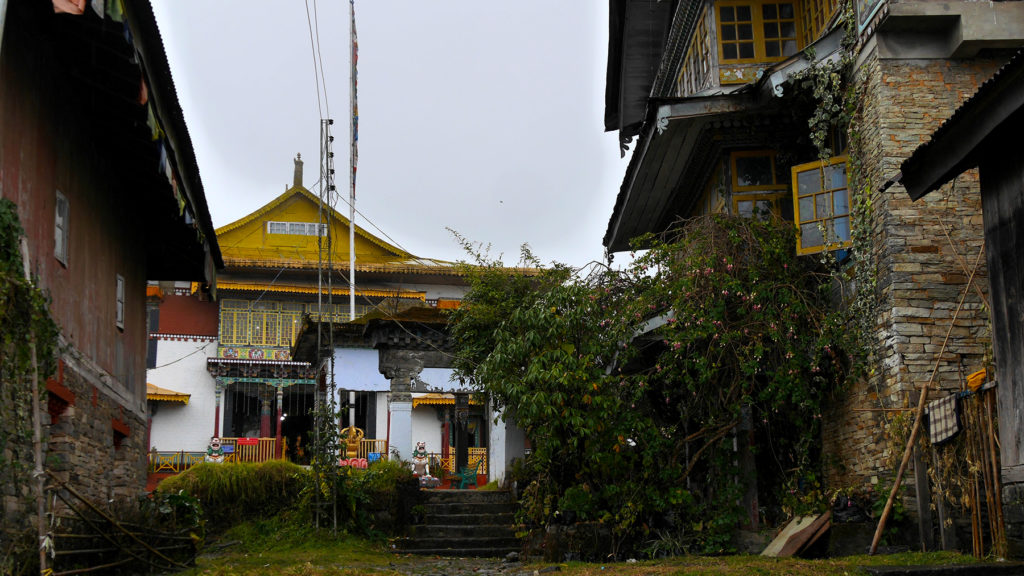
(920, 273)
(93, 444)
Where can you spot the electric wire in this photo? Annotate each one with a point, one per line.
(316, 72)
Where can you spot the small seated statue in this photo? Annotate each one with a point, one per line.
(214, 452)
(421, 466)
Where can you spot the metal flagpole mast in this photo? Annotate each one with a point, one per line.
(353, 130)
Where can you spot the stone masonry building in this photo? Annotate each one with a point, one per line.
(804, 109)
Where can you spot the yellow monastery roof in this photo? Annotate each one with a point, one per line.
(300, 288)
(154, 392)
(274, 207)
(415, 266)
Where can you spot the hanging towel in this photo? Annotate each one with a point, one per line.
(943, 419)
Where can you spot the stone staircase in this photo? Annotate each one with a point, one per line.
(464, 523)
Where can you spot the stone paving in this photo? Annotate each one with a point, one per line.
(434, 566)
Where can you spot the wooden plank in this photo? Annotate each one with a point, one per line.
(798, 534)
(1003, 213)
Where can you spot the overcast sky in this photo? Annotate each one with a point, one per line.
(481, 116)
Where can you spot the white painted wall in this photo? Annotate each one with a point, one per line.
(508, 442)
(426, 428)
(439, 378)
(358, 369)
(181, 366)
(437, 290)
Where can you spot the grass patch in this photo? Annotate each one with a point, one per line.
(272, 548)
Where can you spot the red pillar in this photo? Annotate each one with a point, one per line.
(265, 417)
(280, 421)
(216, 413)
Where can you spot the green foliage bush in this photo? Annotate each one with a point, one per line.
(631, 384)
(231, 493)
(371, 502)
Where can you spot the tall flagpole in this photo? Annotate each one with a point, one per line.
(353, 129)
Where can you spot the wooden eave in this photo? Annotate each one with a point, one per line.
(105, 68)
(409, 327)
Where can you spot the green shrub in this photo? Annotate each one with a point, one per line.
(230, 493)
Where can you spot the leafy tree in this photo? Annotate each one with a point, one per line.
(630, 384)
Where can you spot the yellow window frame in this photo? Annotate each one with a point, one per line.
(234, 322)
(815, 14)
(825, 194)
(774, 198)
(738, 154)
(756, 22)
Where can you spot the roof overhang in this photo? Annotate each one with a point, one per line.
(159, 394)
(960, 143)
(667, 158)
(637, 30)
(677, 145)
(416, 327)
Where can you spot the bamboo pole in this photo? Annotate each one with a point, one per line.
(919, 414)
(999, 526)
(37, 434)
(116, 524)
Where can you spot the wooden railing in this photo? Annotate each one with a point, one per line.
(369, 446)
(264, 449)
(475, 455)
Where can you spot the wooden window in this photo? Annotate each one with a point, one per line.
(60, 229)
(265, 324)
(763, 206)
(696, 68)
(291, 321)
(296, 228)
(119, 303)
(234, 322)
(754, 31)
(755, 171)
(817, 13)
(821, 205)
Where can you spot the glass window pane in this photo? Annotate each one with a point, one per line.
(729, 52)
(746, 50)
(823, 206)
(754, 171)
(789, 47)
(729, 32)
(771, 49)
(743, 13)
(745, 31)
(786, 11)
(836, 176)
(840, 203)
(745, 208)
(728, 14)
(770, 12)
(787, 30)
(842, 229)
(810, 235)
(806, 208)
(296, 228)
(771, 29)
(808, 182)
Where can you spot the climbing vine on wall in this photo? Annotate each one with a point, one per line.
(24, 315)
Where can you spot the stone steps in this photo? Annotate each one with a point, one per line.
(463, 523)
